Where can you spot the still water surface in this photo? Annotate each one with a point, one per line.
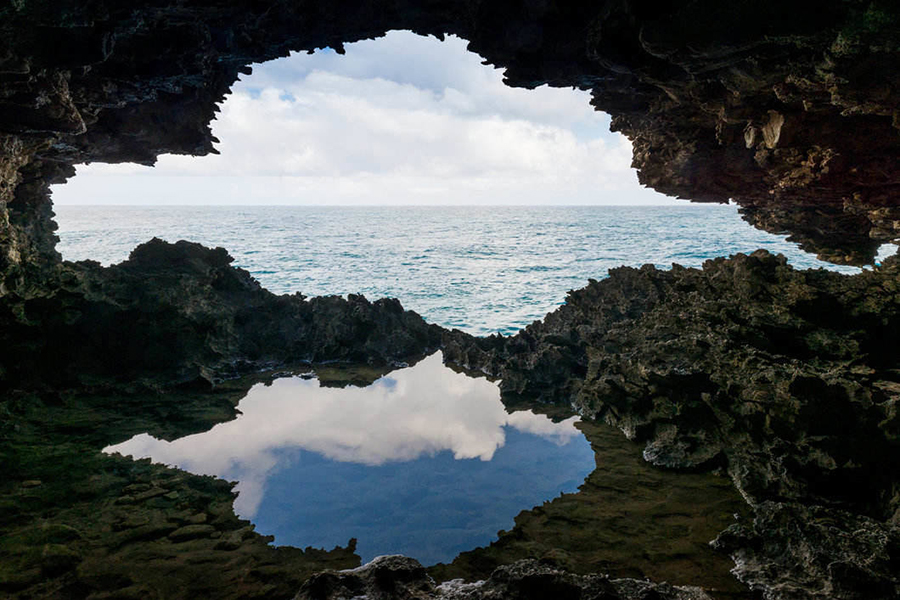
(425, 461)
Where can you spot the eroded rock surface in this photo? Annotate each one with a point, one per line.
(180, 313)
(787, 379)
(401, 578)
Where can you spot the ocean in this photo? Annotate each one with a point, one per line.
(482, 269)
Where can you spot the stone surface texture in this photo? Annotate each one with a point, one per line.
(786, 380)
(401, 578)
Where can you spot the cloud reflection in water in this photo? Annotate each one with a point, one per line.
(412, 416)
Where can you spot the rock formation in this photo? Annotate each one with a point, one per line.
(786, 379)
(401, 578)
(180, 314)
(789, 108)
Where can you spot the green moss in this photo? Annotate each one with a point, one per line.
(877, 25)
(628, 519)
(74, 521)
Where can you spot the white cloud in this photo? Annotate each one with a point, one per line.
(408, 414)
(404, 119)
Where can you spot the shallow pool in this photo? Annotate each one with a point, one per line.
(425, 461)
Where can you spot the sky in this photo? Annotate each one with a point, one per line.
(403, 119)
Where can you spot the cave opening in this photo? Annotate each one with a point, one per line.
(511, 196)
(744, 367)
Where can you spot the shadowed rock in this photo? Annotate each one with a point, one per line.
(179, 313)
(785, 378)
(401, 578)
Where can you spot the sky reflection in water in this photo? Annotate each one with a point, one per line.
(425, 461)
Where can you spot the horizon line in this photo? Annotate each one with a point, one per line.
(682, 203)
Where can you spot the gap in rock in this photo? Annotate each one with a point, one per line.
(407, 120)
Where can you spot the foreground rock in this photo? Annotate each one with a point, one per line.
(179, 314)
(75, 523)
(401, 578)
(796, 551)
(788, 379)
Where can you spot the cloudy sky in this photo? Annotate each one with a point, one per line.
(399, 120)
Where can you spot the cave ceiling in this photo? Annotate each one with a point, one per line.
(789, 108)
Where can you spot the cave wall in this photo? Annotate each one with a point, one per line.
(788, 107)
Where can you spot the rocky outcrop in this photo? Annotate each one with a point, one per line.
(76, 523)
(785, 378)
(180, 313)
(788, 108)
(401, 578)
(795, 551)
(789, 380)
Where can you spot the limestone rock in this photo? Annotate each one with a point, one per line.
(788, 108)
(785, 379)
(401, 578)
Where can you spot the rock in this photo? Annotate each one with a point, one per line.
(783, 378)
(179, 314)
(845, 555)
(151, 493)
(57, 559)
(189, 532)
(151, 531)
(789, 109)
(706, 93)
(385, 578)
(400, 578)
(131, 592)
(771, 131)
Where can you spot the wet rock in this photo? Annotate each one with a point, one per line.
(401, 578)
(189, 532)
(180, 314)
(780, 377)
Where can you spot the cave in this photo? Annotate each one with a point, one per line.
(784, 380)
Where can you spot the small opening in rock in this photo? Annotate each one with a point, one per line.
(885, 252)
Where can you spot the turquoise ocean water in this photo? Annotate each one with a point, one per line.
(480, 269)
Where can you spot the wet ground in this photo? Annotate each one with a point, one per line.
(78, 523)
(424, 461)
